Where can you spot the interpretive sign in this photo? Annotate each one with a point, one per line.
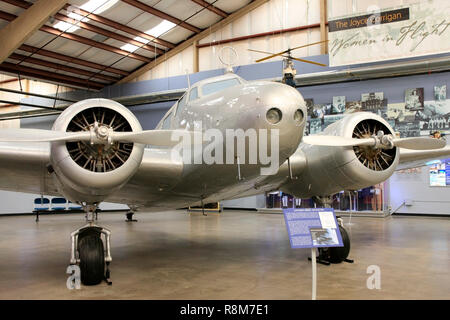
(407, 31)
(312, 228)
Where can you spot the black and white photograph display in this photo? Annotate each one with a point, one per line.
(315, 126)
(324, 237)
(408, 129)
(374, 102)
(309, 106)
(436, 117)
(414, 99)
(440, 93)
(320, 110)
(329, 119)
(398, 112)
(352, 106)
(338, 104)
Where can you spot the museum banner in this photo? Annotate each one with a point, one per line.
(401, 32)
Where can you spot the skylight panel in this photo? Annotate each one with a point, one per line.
(93, 6)
(129, 47)
(65, 26)
(161, 28)
(98, 6)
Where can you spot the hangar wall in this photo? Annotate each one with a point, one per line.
(272, 16)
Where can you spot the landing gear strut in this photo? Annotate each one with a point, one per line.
(88, 251)
(334, 254)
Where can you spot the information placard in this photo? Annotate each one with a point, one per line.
(312, 228)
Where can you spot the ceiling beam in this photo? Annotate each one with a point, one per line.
(70, 59)
(108, 22)
(49, 76)
(258, 35)
(189, 42)
(211, 8)
(80, 39)
(107, 33)
(93, 43)
(19, 3)
(19, 30)
(121, 27)
(57, 66)
(9, 81)
(162, 15)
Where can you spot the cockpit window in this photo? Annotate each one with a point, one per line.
(181, 104)
(194, 94)
(219, 85)
(166, 122)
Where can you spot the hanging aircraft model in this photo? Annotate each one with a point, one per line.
(97, 151)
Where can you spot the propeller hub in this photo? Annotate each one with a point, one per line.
(103, 132)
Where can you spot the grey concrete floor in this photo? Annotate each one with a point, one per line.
(234, 255)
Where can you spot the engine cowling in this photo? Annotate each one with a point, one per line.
(86, 172)
(328, 170)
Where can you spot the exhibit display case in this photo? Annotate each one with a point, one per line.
(371, 200)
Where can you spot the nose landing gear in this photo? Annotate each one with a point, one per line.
(89, 252)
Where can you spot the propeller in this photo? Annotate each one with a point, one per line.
(298, 59)
(378, 141)
(288, 51)
(97, 135)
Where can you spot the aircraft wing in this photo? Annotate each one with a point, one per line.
(23, 168)
(418, 158)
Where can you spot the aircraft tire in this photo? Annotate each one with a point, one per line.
(92, 258)
(339, 254)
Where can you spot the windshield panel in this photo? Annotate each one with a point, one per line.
(194, 94)
(213, 87)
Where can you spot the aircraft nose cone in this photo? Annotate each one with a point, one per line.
(284, 109)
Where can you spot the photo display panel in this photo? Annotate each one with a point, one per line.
(312, 228)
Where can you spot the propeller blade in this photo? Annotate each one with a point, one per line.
(152, 137)
(336, 141)
(39, 135)
(423, 143)
(309, 44)
(259, 51)
(309, 61)
(165, 138)
(272, 55)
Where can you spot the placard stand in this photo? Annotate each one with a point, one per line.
(315, 228)
(314, 273)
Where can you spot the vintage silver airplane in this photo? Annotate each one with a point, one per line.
(97, 151)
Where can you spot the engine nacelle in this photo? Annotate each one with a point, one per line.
(86, 172)
(328, 170)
